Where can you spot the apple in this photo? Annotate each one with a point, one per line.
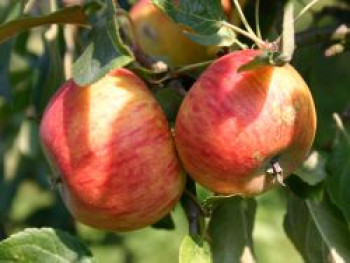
(237, 131)
(112, 152)
(162, 38)
(230, 11)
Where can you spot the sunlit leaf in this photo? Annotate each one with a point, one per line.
(12, 172)
(303, 189)
(11, 10)
(192, 251)
(317, 230)
(166, 222)
(302, 231)
(43, 245)
(333, 229)
(313, 170)
(28, 139)
(204, 19)
(339, 169)
(224, 37)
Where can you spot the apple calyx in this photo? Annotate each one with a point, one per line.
(276, 170)
(268, 57)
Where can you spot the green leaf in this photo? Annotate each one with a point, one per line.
(13, 161)
(339, 168)
(266, 58)
(192, 251)
(203, 17)
(43, 245)
(50, 70)
(166, 222)
(224, 37)
(28, 139)
(8, 12)
(211, 202)
(333, 229)
(11, 10)
(230, 230)
(303, 189)
(317, 230)
(68, 15)
(170, 100)
(313, 170)
(104, 53)
(302, 231)
(5, 86)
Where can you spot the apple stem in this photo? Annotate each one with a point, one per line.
(277, 170)
(193, 209)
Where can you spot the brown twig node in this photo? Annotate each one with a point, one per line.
(55, 181)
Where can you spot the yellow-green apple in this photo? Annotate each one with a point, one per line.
(110, 146)
(236, 131)
(162, 38)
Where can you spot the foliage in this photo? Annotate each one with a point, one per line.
(38, 43)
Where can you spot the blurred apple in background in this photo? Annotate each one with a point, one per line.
(161, 37)
(231, 11)
(112, 153)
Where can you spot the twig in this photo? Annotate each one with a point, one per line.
(193, 210)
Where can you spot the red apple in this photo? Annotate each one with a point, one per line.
(232, 125)
(161, 37)
(110, 144)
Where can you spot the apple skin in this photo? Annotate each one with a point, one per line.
(232, 124)
(162, 38)
(112, 149)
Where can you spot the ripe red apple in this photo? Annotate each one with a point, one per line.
(232, 125)
(161, 37)
(110, 144)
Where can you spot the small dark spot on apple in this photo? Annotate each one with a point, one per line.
(149, 32)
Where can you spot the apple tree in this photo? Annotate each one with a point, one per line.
(184, 131)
